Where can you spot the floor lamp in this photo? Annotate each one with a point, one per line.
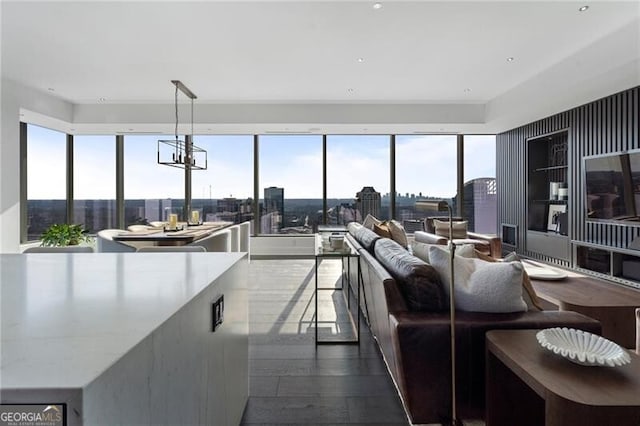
(441, 206)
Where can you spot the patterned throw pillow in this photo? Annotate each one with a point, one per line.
(382, 229)
(459, 229)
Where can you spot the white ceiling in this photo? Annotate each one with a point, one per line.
(445, 52)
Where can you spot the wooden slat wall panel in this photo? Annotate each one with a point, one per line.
(605, 126)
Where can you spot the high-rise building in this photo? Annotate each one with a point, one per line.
(368, 201)
(228, 205)
(480, 205)
(274, 207)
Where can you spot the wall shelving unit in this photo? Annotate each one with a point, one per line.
(547, 215)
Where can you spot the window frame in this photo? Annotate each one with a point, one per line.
(119, 141)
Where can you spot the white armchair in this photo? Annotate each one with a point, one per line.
(106, 244)
(219, 241)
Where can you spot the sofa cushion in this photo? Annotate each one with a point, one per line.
(352, 227)
(459, 229)
(367, 238)
(398, 233)
(418, 281)
(481, 286)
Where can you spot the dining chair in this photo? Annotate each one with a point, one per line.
(219, 241)
(235, 237)
(64, 249)
(245, 236)
(106, 244)
(175, 249)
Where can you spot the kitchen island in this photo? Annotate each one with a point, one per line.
(126, 338)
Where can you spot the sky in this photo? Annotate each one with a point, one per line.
(424, 164)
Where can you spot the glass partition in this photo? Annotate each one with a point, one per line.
(425, 169)
(151, 190)
(94, 182)
(357, 177)
(224, 192)
(46, 179)
(480, 194)
(290, 183)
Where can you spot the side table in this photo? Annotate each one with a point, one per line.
(323, 250)
(527, 384)
(612, 304)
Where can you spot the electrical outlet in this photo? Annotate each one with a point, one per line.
(217, 313)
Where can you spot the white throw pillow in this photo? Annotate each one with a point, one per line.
(397, 233)
(421, 250)
(481, 286)
(459, 229)
(369, 221)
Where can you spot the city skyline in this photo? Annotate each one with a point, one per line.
(276, 214)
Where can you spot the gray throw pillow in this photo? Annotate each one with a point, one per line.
(418, 281)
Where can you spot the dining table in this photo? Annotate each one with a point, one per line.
(182, 235)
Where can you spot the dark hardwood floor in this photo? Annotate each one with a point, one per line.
(291, 380)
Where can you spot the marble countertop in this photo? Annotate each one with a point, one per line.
(67, 317)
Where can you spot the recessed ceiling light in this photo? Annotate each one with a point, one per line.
(377, 5)
(360, 59)
(51, 89)
(510, 59)
(103, 99)
(583, 8)
(467, 90)
(350, 90)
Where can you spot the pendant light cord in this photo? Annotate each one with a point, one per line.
(176, 110)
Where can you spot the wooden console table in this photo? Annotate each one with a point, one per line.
(611, 304)
(529, 385)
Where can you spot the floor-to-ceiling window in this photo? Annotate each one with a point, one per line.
(290, 186)
(224, 191)
(46, 179)
(425, 169)
(358, 177)
(151, 190)
(94, 182)
(480, 197)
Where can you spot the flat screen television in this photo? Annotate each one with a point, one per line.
(612, 186)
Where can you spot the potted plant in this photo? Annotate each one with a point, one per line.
(63, 235)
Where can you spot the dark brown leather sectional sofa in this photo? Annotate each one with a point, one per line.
(413, 335)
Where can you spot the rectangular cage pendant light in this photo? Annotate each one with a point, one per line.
(179, 153)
